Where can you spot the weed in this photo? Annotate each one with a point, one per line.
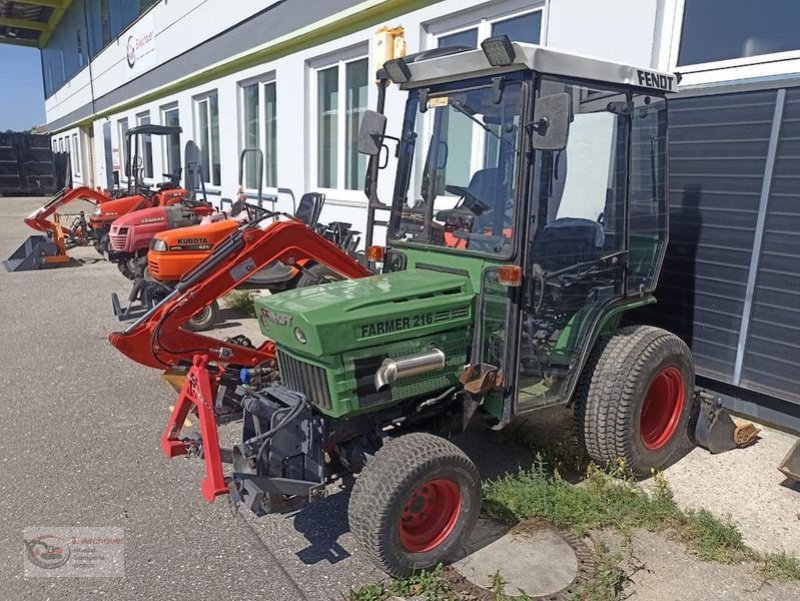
(779, 566)
(712, 539)
(609, 577)
(242, 301)
(431, 585)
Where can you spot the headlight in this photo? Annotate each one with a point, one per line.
(158, 245)
(300, 335)
(96, 210)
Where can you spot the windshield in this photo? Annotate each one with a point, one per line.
(461, 187)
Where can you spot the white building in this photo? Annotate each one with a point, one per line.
(291, 77)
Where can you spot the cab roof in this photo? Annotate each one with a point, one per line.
(468, 63)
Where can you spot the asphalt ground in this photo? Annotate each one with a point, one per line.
(80, 426)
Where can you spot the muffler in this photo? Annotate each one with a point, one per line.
(410, 365)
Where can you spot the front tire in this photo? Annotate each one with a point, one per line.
(415, 503)
(204, 319)
(635, 399)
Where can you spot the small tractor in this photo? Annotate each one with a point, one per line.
(528, 218)
(130, 235)
(50, 249)
(138, 195)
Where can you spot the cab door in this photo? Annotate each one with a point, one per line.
(576, 251)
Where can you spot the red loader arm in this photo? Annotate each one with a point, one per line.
(157, 339)
(39, 219)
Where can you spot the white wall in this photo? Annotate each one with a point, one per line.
(620, 30)
(177, 27)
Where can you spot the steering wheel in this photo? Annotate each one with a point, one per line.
(475, 204)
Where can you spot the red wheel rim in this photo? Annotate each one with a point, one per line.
(662, 408)
(429, 515)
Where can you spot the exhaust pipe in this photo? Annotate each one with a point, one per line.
(411, 365)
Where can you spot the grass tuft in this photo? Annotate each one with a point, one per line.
(241, 300)
(779, 566)
(431, 585)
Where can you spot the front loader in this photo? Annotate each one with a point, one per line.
(176, 252)
(529, 215)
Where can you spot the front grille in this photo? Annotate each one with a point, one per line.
(152, 266)
(308, 379)
(117, 242)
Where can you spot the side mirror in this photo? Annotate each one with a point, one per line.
(370, 134)
(551, 118)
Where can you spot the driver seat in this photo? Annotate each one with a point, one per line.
(566, 242)
(309, 208)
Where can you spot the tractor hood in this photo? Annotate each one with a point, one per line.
(142, 216)
(351, 314)
(110, 210)
(207, 234)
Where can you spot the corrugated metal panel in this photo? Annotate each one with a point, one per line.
(772, 352)
(717, 152)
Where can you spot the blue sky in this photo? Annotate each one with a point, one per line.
(22, 100)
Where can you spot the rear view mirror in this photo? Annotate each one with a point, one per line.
(551, 117)
(370, 134)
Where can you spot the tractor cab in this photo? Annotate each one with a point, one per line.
(533, 182)
(138, 195)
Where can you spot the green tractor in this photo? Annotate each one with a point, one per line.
(529, 215)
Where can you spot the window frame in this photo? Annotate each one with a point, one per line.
(208, 135)
(146, 178)
(339, 60)
(76, 147)
(123, 151)
(789, 58)
(165, 147)
(270, 159)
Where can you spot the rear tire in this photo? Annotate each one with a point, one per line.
(204, 319)
(415, 503)
(634, 399)
(317, 274)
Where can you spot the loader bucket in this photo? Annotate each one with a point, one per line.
(37, 252)
(790, 466)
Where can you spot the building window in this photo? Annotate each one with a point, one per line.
(207, 128)
(463, 137)
(146, 148)
(79, 45)
(258, 130)
(172, 143)
(717, 30)
(105, 24)
(76, 155)
(338, 116)
(122, 128)
(526, 27)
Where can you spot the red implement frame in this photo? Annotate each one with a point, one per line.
(197, 392)
(158, 340)
(40, 219)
